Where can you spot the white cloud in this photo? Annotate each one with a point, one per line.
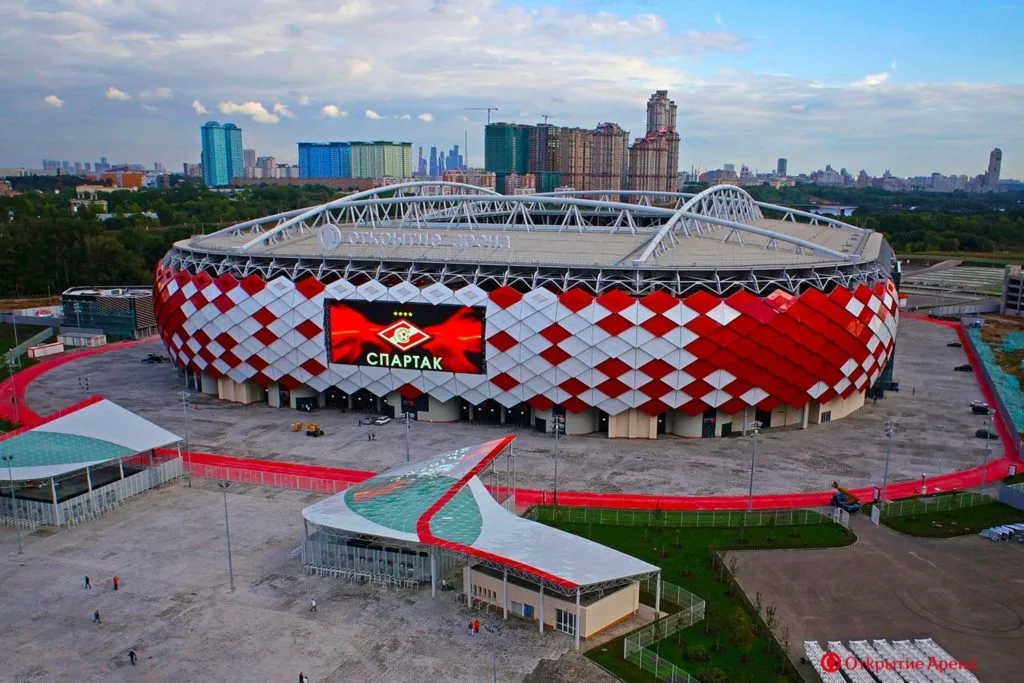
(303, 100)
(54, 101)
(404, 117)
(718, 20)
(359, 67)
(426, 116)
(872, 80)
(372, 115)
(113, 93)
(464, 118)
(149, 107)
(798, 108)
(282, 110)
(156, 94)
(892, 66)
(198, 107)
(332, 111)
(254, 110)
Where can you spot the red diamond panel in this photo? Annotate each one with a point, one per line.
(309, 287)
(541, 402)
(575, 300)
(573, 386)
(505, 382)
(615, 301)
(231, 359)
(654, 408)
(554, 355)
(611, 367)
(655, 389)
(308, 329)
(702, 326)
(656, 369)
(701, 302)
(575, 405)
(612, 388)
(614, 324)
(505, 297)
(223, 303)
(266, 336)
(555, 333)
(658, 325)
(502, 341)
(313, 366)
(256, 363)
(659, 301)
(226, 340)
(264, 316)
(253, 284)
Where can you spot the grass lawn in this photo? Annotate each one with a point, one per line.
(949, 523)
(7, 335)
(685, 556)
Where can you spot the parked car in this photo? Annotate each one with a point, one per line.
(955, 345)
(966, 367)
(382, 420)
(981, 410)
(985, 434)
(368, 420)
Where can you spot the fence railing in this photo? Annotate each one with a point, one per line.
(926, 505)
(274, 479)
(634, 646)
(681, 519)
(19, 350)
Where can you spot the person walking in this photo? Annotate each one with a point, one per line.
(471, 628)
(132, 656)
(476, 626)
(312, 605)
(88, 583)
(117, 580)
(96, 617)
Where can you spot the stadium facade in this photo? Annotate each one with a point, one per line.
(695, 315)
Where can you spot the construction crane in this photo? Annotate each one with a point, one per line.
(487, 109)
(546, 117)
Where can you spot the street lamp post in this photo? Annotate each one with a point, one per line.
(14, 501)
(14, 389)
(988, 442)
(755, 430)
(555, 419)
(408, 436)
(188, 456)
(227, 529)
(890, 427)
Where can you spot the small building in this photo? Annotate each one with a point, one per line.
(1012, 302)
(118, 312)
(81, 462)
(435, 521)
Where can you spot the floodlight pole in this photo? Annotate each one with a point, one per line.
(227, 529)
(554, 498)
(988, 441)
(755, 430)
(14, 501)
(408, 436)
(890, 427)
(14, 388)
(188, 449)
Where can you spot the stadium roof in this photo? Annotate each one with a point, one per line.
(441, 502)
(720, 228)
(86, 434)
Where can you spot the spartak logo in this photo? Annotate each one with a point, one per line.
(403, 335)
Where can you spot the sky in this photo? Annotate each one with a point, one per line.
(912, 86)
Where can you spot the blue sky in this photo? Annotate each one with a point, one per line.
(911, 86)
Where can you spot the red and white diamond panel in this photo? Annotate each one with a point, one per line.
(612, 352)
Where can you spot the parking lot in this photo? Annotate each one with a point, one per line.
(932, 408)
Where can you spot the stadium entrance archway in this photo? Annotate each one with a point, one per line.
(708, 423)
(662, 423)
(764, 417)
(336, 398)
(365, 401)
(519, 415)
(602, 422)
(489, 412)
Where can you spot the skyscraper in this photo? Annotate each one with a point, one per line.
(654, 158)
(610, 161)
(781, 167)
(995, 166)
(325, 160)
(249, 158)
(222, 153)
(433, 163)
(381, 159)
(574, 156)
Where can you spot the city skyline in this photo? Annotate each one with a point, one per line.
(748, 83)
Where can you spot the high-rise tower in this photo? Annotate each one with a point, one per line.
(654, 158)
(661, 112)
(222, 153)
(995, 166)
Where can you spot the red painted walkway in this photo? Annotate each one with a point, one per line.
(14, 389)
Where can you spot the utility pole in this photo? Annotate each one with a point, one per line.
(14, 389)
(188, 458)
(557, 421)
(223, 485)
(755, 430)
(487, 109)
(408, 436)
(890, 428)
(988, 441)
(14, 501)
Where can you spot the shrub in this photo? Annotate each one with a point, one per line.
(710, 674)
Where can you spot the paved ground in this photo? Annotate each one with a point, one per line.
(965, 593)
(175, 610)
(937, 433)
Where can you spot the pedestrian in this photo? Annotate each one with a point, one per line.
(369, 436)
(312, 605)
(302, 676)
(471, 628)
(96, 617)
(132, 656)
(117, 580)
(88, 583)
(476, 626)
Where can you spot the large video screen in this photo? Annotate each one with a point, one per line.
(437, 337)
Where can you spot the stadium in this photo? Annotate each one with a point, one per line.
(698, 315)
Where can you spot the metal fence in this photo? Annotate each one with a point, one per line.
(683, 519)
(942, 503)
(634, 646)
(670, 592)
(274, 479)
(33, 513)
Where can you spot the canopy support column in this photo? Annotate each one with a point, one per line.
(120, 467)
(540, 622)
(469, 587)
(56, 506)
(657, 593)
(504, 595)
(578, 625)
(433, 572)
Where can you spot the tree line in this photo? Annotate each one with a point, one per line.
(45, 248)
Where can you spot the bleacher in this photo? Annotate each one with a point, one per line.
(866, 653)
(1005, 532)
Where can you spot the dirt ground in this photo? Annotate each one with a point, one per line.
(937, 432)
(175, 609)
(965, 593)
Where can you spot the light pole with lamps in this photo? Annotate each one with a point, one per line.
(227, 528)
(755, 430)
(890, 427)
(14, 501)
(408, 436)
(988, 441)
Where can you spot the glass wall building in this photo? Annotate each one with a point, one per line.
(222, 153)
